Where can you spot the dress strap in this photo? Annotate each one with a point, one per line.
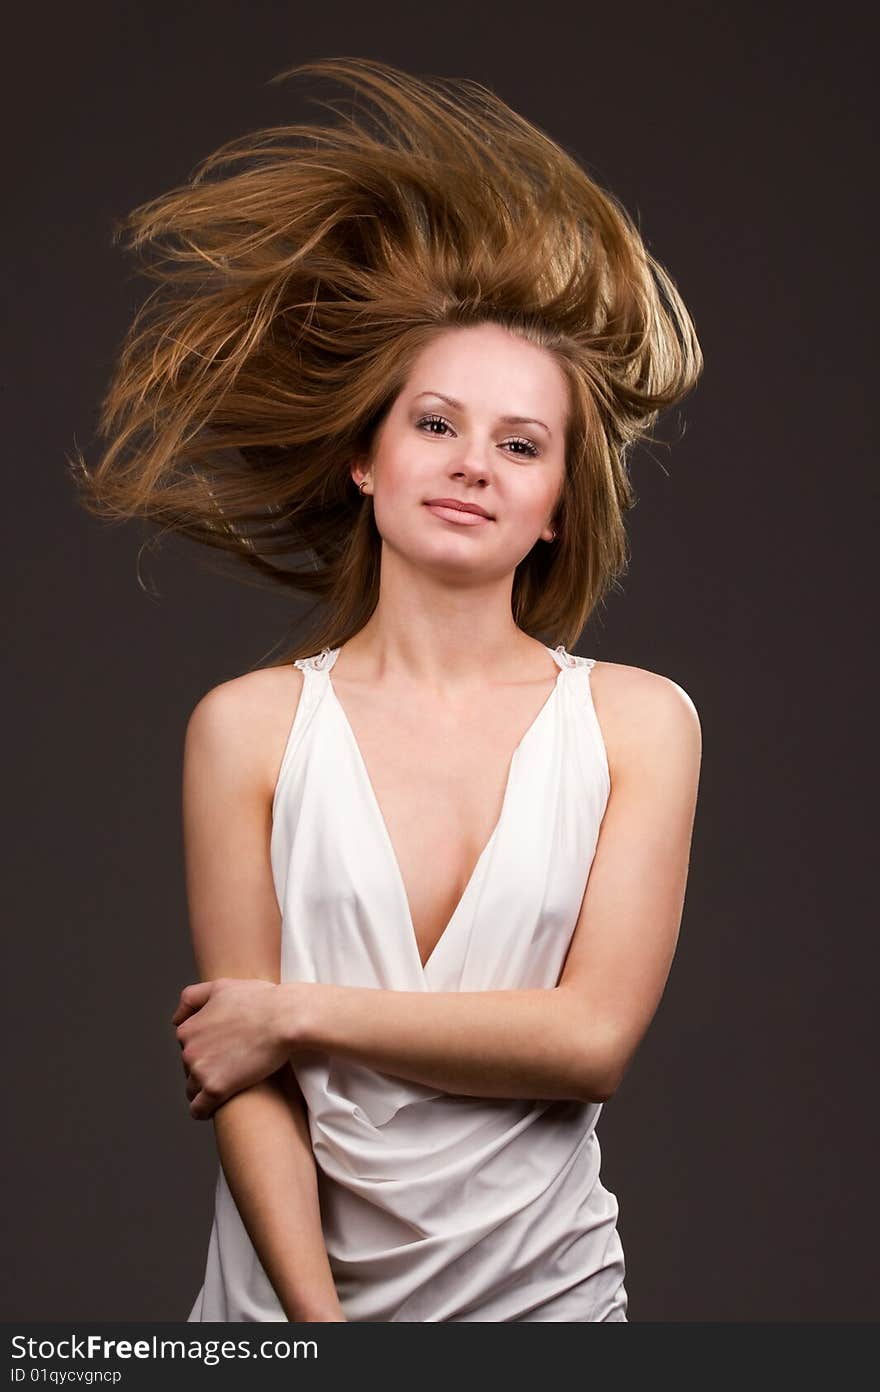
(318, 662)
(567, 659)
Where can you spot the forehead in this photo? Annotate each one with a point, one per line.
(489, 368)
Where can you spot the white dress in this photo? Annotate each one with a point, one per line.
(437, 1206)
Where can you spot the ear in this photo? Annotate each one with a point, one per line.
(360, 471)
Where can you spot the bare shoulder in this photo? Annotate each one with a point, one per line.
(244, 723)
(642, 715)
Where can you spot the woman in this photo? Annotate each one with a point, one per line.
(435, 865)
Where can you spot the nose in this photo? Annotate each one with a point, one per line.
(472, 465)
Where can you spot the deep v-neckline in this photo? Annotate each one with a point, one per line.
(559, 657)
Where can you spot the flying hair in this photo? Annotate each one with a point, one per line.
(300, 271)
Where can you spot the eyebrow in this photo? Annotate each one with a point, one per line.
(508, 420)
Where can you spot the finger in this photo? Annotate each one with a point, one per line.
(192, 998)
(201, 1108)
(185, 1004)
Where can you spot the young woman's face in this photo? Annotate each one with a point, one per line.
(449, 436)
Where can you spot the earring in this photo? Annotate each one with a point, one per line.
(361, 487)
(553, 536)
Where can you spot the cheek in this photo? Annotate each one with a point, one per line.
(398, 493)
(532, 503)
(400, 473)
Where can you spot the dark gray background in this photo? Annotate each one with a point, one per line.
(743, 1143)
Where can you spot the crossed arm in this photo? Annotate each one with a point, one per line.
(573, 1040)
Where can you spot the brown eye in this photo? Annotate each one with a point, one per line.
(433, 420)
(532, 451)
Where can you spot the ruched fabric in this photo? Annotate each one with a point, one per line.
(437, 1206)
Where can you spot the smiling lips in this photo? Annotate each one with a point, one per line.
(464, 514)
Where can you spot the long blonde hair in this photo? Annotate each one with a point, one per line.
(301, 269)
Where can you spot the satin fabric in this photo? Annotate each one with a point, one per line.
(437, 1206)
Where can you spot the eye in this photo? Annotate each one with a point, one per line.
(433, 420)
(531, 449)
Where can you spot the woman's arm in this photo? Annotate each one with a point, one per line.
(262, 1132)
(573, 1040)
(265, 1149)
(577, 1039)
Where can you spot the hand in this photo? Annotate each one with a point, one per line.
(231, 1036)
